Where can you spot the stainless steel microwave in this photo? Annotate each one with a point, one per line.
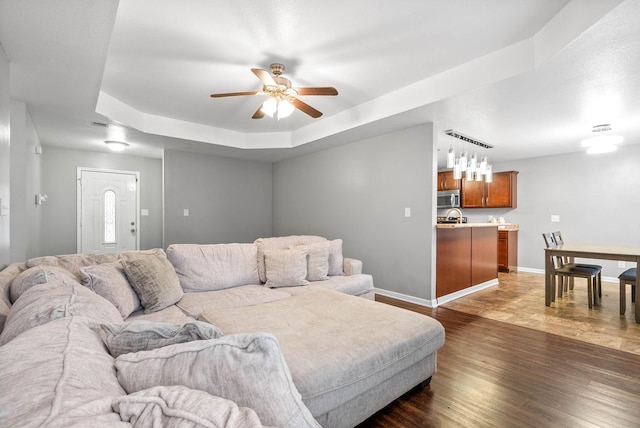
(449, 198)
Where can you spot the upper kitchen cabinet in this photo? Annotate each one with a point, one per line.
(502, 192)
(447, 182)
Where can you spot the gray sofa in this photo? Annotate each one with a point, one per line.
(284, 338)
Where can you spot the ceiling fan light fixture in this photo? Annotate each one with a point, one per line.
(116, 146)
(285, 108)
(270, 106)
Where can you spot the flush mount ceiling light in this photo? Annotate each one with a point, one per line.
(602, 143)
(474, 168)
(116, 146)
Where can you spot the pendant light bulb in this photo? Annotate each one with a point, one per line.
(457, 171)
(488, 177)
(451, 158)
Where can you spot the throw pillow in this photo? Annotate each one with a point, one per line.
(286, 268)
(109, 281)
(37, 275)
(248, 369)
(336, 260)
(318, 261)
(179, 406)
(143, 335)
(154, 280)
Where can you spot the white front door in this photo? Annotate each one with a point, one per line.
(107, 211)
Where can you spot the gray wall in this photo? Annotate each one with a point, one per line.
(229, 200)
(358, 192)
(26, 238)
(5, 156)
(59, 169)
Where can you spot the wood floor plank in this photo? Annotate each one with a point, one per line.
(495, 374)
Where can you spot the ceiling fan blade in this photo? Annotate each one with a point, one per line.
(302, 106)
(264, 76)
(234, 94)
(259, 114)
(325, 90)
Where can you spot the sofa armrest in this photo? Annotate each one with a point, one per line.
(351, 266)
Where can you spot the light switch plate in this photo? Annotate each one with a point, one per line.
(185, 212)
(144, 212)
(621, 265)
(407, 212)
(555, 218)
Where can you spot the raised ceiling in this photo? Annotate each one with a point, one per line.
(529, 76)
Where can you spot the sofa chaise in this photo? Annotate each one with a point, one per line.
(283, 331)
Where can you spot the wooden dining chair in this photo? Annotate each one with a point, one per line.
(557, 236)
(566, 271)
(627, 277)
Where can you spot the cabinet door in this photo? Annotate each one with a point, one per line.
(501, 192)
(453, 260)
(472, 194)
(503, 251)
(447, 182)
(484, 254)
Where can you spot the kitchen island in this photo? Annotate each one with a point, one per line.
(466, 258)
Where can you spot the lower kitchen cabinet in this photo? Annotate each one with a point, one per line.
(466, 256)
(507, 250)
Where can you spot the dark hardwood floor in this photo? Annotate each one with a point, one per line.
(494, 374)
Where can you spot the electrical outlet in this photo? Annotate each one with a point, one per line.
(555, 218)
(407, 212)
(185, 212)
(621, 264)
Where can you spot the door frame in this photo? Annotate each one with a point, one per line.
(79, 172)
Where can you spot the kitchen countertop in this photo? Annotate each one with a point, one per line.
(504, 226)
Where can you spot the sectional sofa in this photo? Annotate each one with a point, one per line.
(279, 332)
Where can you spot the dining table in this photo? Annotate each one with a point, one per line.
(626, 253)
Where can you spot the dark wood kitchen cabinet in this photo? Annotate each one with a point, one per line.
(507, 250)
(466, 256)
(502, 192)
(447, 182)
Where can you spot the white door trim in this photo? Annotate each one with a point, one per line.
(79, 201)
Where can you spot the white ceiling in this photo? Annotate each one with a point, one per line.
(531, 77)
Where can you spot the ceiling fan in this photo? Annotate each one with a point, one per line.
(282, 96)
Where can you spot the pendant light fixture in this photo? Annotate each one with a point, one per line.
(474, 169)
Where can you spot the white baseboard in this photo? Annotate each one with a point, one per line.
(467, 291)
(406, 298)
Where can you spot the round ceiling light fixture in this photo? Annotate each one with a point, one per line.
(602, 143)
(116, 146)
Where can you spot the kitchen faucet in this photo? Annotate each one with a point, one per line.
(459, 214)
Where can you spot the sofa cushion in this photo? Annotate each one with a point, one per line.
(247, 369)
(58, 299)
(179, 406)
(73, 262)
(47, 379)
(154, 280)
(7, 275)
(214, 267)
(318, 261)
(195, 303)
(336, 259)
(356, 285)
(38, 275)
(286, 268)
(280, 243)
(109, 281)
(143, 335)
(376, 342)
